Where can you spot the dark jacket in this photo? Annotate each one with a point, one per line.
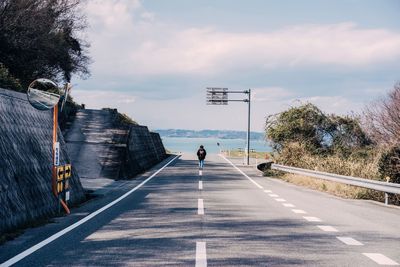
(201, 155)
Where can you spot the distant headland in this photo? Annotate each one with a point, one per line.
(222, 134)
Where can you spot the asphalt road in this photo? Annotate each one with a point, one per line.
(221, 218)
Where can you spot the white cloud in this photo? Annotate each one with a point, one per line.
(268, 94)
(95, 99)
(131, 45)
(332, 104)
(129, 40)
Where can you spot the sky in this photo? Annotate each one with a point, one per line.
(153, 59)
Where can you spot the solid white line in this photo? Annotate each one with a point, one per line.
(200, 207)
(50, 239)
(267, 191)
(327, 228)
(201, 254)
(312, 219)
(273, 195)
(200, 185)
(280, 199)
(239, 170)
(288, 205)
(299, 211)
(380, 259)
(349, 241)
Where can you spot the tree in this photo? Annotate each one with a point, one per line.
(347, 134)
(315, 131)
(382, 119)
(39, 38)
(304, 124)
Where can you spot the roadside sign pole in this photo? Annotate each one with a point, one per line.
(56, 150)
(248, 128)
(56, 162)
(219, 96)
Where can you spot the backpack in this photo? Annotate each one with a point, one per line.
(201, 153)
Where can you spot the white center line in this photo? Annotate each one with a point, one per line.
(327, 228)
(273, 195)
(267, 191)
(349, 241)
(50, 239)
(201, 255)
(200, 209)
(380, 259)
(312, 219)
(288, 205)
(280, 199)
(200, 185)
(239, 170)
(299, 211)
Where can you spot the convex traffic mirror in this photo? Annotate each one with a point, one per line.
(43, 94)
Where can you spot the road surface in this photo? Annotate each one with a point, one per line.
(229, 216)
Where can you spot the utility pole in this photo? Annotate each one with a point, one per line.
(219, 96)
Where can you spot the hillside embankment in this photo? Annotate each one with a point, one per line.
(100, 146)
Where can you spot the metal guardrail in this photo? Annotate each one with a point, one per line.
(366, 183)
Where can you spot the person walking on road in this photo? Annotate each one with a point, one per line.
(201, 154)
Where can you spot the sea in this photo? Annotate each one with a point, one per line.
(190, 145)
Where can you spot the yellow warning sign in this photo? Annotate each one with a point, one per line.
(68, 170)
(60, 173)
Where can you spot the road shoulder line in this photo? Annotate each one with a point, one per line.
(50, 239)
(239, 170)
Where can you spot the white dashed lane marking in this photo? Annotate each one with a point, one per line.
(312, 219)
(288, 205)
(380, 259)
(349, 241)
(200, 209)
(299, 211)
(200, 185)
(376, 257)
(327, 228)
(201, 255)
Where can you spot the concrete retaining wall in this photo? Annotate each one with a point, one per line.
(102, 147)
(26, 161)
(144, 149)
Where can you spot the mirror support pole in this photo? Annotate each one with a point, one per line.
(55, 123)
(54, 180)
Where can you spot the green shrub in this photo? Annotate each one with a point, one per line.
(389, 164)
(7, 81)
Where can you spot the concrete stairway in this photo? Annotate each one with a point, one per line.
(102, 148)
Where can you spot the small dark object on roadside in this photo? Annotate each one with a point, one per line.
(264, 166)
